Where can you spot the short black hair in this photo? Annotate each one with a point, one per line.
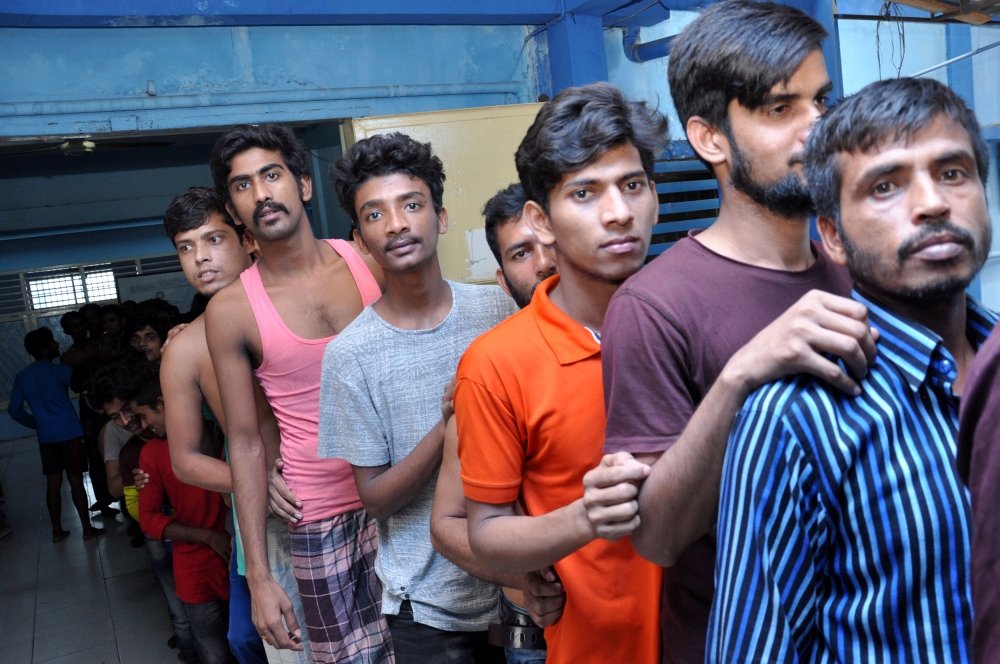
(506, 206)
(68, 318)
(112, 309)
(190, 210)
(737, 49)
(385, 154)
(576, 128)
(885, 111)
(155, 317)
(37, 341)
(147, 386)
(118, 379)
(267, 136)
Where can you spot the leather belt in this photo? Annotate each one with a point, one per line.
(517, 630)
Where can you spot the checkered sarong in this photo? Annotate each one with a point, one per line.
(334, 562)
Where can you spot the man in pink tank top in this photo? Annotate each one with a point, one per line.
(274, 323)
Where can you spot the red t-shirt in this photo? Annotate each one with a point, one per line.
(200, 573)
(668, 332)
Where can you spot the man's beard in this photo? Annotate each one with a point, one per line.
(788, 197)
(872, 273)
(522, 297)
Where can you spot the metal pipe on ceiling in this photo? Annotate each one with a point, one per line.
(28, 108)
(639, 52)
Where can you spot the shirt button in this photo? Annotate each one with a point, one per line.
(402, 587)
(945, 366)
(406, 596)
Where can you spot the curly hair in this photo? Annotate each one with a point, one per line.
(576, 128)
(267, 136)
(385, 154)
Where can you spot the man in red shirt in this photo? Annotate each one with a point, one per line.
(196, 527)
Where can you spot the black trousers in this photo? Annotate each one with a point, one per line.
(92, 422)
(416, 643)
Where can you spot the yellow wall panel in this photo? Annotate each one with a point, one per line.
(477, 148)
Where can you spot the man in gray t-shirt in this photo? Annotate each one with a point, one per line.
(382, 403)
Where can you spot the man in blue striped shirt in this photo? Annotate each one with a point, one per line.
(843, 527)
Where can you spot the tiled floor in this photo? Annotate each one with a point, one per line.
(74, 602)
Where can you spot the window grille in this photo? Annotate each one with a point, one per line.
(689, 199)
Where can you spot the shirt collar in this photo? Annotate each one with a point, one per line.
(918, 351)
(570, 341)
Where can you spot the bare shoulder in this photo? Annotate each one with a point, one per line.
(190, 343)
(229, 304)
(375, 268)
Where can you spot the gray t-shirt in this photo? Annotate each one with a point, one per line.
(380, 394)
(115, 438)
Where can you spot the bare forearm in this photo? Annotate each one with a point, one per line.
(249, 477)
(450, 536)
(115, 485)
(680, 498)
(202, 471)
(521, 544)
(388, 492)
(176, 532)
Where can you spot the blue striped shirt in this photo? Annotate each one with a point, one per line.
(843, 526)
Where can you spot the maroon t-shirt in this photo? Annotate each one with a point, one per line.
(978, 463)
(669, 331)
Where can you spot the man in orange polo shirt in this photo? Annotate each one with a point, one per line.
(529, 399)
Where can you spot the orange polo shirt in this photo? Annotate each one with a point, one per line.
(530, 407)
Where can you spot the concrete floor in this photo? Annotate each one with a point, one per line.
(73, 602)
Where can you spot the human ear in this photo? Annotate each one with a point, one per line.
(833, 243)
(502, 281)
(710, 143)
(305, 187)
(361, 242)
(539, 222)
(442, 221)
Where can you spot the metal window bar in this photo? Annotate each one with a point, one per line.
(688, 195)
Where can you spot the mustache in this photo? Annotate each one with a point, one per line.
(402, 239)
(797, 158)
(936, 227)
(267, 207)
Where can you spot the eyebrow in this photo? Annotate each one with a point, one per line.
(792, 96)
(518, 246)
(260, 171)
(402, 197)
(582, 182)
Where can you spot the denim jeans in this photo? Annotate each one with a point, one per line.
(521, 655)
(163, 571)
(244, 640)
(209, 625)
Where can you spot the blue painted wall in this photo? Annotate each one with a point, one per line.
(159, 78)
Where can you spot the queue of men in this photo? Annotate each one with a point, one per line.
(743, 451)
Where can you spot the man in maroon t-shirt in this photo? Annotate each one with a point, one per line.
(725, 310)
(978, 462)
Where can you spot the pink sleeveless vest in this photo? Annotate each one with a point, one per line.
(290, 376)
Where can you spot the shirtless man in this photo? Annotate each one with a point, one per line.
(274, 323)
(213, 251)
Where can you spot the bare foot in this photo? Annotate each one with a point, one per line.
(59, 535)
(92, 533)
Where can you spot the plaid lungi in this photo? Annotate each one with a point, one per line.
(334, 562)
